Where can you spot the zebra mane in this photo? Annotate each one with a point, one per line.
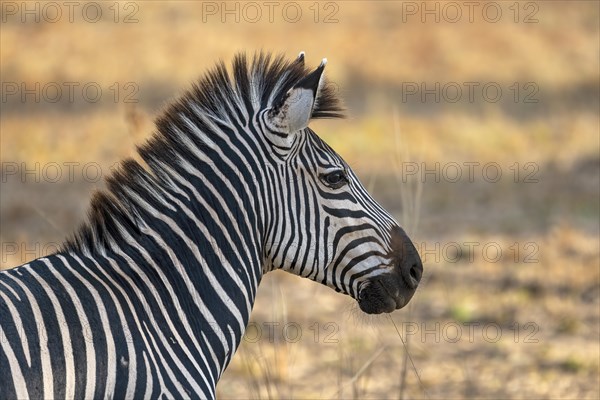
(255, 84)
(217, 97)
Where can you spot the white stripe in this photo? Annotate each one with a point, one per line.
(104, 322)
(10, 289)
(216, 362)
(110, 383)
(181, 391)
(149, 381)
(90, 354)
(18, 325)
(15, 370)
(65, 336)
(47, 373)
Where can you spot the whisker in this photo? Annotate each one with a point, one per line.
(409, 356)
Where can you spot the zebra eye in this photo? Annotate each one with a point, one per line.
(335, 179)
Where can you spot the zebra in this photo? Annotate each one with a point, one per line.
(151, 295)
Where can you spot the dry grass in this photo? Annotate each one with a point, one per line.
(371, 54)
(555, 356)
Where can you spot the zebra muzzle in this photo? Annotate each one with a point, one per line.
(382, 295)
(394, 289)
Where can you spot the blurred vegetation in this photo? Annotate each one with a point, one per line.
(376, 53)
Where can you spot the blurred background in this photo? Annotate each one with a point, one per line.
(475, 123)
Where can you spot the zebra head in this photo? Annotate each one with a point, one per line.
(324, 225)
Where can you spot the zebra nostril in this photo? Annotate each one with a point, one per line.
(415, 272)
(412, 275)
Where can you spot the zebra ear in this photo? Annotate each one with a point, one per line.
(293, 112)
